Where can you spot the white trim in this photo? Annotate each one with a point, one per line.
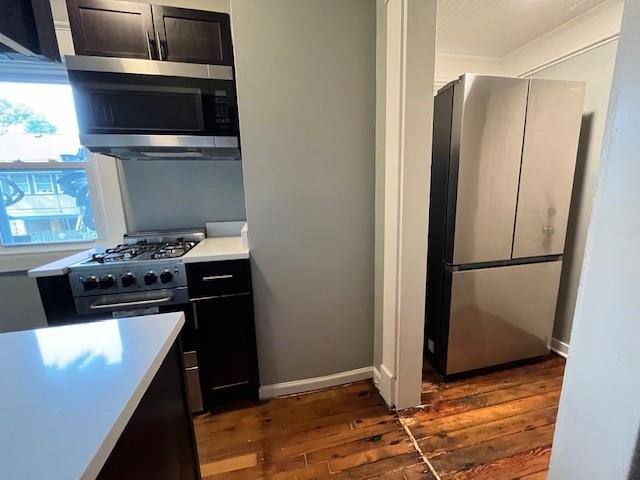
(315, 383)
(386, 385)
(13, 45)
(409, 50)
(62, 25)
(570, 54)
(559, 347)
(376, 377)
(596, 27)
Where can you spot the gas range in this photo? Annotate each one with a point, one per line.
(144, 262)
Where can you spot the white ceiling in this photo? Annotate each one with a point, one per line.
(493, 28)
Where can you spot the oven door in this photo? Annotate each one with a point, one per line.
(100, 307)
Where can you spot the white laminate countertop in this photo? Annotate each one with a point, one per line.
(60, 267)
(68, 392)
(213, 249)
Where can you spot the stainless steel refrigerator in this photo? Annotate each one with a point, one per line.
(504, 155)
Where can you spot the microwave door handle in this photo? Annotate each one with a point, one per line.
(104, 115)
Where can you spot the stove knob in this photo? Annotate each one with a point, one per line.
(108, 281)
(128, 279)
(166, 276)
(90, 283)
(150, 278)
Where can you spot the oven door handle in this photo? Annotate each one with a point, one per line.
(99, 306)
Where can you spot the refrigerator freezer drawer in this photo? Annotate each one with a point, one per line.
(501, 314)
(554, 116)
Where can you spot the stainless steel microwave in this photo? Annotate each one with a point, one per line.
(147, 109)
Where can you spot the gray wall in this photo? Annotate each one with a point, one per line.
(597, 432)
(181, 194)
(306, 87)
(594, 67)
(19, 303)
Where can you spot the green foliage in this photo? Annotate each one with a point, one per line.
(18, 114)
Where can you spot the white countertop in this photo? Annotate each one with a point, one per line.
(213, 249)
(60, 267)
(68, 392)
(210, 249)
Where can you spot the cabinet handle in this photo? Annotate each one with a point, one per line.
(148, 44)
(215, 277)
(195, 317)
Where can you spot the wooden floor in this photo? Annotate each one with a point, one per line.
(495, 426)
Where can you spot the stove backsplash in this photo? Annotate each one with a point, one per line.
(164, 195)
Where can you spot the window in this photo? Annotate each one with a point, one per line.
(43, 183)
(46, 195)
(22, 181)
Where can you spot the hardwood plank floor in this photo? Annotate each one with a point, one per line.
(495, 426)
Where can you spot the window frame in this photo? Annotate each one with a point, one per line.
(102, 177)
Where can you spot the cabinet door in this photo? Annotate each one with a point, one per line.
(112, 28)
(193, 36)
(554, 116)
(227, 345)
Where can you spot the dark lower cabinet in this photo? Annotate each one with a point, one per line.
(158, 442)
(222, 302)
(112, 28)
(227, 348)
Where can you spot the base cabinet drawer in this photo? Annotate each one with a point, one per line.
(227, 347)
(213, 279)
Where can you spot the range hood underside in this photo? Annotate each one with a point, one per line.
(163, 147)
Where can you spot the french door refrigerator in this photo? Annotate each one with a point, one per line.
(504, 155)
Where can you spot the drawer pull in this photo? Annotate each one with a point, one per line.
(216, 277)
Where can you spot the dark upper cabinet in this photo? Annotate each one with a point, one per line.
(27, 26)
(193, 36)
(115, 28)
(112, 28)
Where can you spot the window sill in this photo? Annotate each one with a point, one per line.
(24, 258)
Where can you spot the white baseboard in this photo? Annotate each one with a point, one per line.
(376, 377)
(315, 383)
(561, 348)
(386, 385)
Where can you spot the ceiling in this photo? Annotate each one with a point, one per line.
(493, 28)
